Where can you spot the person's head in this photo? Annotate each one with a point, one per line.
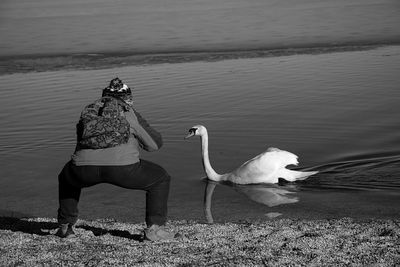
(119, 90)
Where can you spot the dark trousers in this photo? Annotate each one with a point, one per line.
(144, 175)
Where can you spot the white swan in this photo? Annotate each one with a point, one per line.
(267, 167)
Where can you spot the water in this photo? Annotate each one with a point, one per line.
(337, 111)
(56, 27)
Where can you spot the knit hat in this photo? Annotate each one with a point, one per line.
(118, 89)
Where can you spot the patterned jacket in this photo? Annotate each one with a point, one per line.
(142, 135)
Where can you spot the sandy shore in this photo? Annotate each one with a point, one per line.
(283, 242)
(40, 63)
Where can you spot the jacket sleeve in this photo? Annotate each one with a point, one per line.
(149, 139)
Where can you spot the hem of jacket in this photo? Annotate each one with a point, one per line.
(99, 163)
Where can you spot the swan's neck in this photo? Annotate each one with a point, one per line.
(211, 174)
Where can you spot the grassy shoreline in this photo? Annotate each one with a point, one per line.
(279, 242)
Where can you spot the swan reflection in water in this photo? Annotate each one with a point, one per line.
(267, 194)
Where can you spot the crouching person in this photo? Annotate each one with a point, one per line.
(109, 135)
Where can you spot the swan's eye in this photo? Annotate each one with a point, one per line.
(192, 130)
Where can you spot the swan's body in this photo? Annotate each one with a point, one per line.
(267, 167)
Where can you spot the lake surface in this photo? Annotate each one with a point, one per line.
(337, 111)
(56, 27)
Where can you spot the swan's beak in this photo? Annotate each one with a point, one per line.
(192, 132)
(189, 135)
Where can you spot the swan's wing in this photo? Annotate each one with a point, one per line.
(264, 167)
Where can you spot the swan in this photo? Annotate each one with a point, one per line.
(267, 167)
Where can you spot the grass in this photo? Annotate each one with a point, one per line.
(280, 242)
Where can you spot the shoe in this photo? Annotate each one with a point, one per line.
(156, 233)
(65, 230)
